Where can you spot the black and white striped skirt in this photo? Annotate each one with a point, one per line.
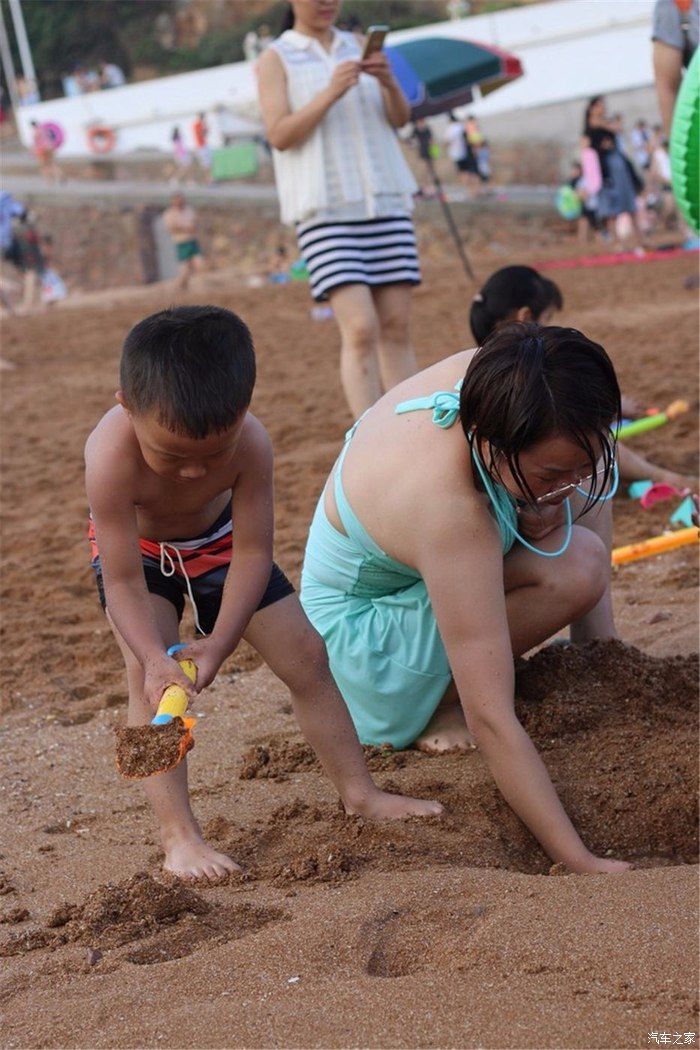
(366, 251)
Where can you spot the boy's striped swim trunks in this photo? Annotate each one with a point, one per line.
(195, 567)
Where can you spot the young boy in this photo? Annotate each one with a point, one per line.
(171, 470)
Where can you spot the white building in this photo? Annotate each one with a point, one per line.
(570, 50)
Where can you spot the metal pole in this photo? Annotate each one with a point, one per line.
(7, 66)
(25, 52)
(451, 225)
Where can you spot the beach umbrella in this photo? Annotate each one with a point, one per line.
(439, 73)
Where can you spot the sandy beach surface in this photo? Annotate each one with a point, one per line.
(342, 933)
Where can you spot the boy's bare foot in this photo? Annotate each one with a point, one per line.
(382, 805)
(446, 731)
(193, 859)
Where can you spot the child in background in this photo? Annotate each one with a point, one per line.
(200, 134)
(53, 288)
(170, 471)
(278, 272)
(659, 177)
(483, 161)
(587, 222)
(519, 293)
(182, 158)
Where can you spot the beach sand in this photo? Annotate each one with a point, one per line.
(449, 932)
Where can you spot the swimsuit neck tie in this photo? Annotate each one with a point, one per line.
(444, 403)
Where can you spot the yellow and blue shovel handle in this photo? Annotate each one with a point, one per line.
(173, 702)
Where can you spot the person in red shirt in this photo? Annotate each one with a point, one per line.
(200, 133)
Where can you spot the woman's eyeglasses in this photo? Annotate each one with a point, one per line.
(583, 485)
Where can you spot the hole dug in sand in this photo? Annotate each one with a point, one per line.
(615, 727)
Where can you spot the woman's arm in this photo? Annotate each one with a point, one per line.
(462, 563)
(396, 107)
(283, 128)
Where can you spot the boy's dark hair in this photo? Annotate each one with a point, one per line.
(528, 383)
(508, 290)
(193, 365)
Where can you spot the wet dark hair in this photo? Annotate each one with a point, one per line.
(508, 290)
(593, 101)
(287, 18)
(193, 365)
(528, 383)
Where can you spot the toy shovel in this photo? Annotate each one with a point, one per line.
(143, 751)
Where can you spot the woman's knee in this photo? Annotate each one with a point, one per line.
(394, 327)
(360, 339)
(586, 571)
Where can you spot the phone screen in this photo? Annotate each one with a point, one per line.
(375, 40)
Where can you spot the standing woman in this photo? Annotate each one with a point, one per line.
(342, 180)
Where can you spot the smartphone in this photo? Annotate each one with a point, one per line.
(375, 40)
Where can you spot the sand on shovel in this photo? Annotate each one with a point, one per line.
(143, 751)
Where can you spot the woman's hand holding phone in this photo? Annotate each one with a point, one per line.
(345, 75)
(377, 65)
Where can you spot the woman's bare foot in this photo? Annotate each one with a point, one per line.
(382, 805)
(446, 731)
(192, 859)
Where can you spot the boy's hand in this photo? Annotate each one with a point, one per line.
(381, 805)
(160, 672)
(207, 658)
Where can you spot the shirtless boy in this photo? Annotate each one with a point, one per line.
(172, 470)
(180, 221)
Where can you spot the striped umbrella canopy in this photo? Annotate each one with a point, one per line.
(438, 73)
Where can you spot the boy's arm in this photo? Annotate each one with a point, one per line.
(251, 558)
(109, 484)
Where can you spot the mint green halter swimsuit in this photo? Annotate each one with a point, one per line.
(374, 613)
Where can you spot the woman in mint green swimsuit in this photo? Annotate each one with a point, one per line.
(444, 544)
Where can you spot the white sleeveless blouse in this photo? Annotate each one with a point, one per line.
(351, 165)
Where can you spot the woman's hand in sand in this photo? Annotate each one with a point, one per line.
(535, 524)
(381, 805)
(159, 673)
(592, 865)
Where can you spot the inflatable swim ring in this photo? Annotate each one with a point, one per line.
(101, 139)
(685, 145)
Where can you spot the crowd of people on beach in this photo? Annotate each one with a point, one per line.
(623, 183)
(83, 80)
